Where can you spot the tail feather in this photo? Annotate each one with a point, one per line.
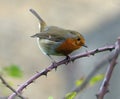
(42, 22)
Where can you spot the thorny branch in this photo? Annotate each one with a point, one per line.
(105, 84)
(9, 87)
(97, 68)
(52, 66)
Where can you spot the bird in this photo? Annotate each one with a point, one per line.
(56, 41)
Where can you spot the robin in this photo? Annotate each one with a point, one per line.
(53, 40)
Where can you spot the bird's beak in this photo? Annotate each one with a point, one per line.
(85, 46)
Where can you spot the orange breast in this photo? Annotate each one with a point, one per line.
(67, 47)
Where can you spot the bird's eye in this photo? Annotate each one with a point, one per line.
(78, 39)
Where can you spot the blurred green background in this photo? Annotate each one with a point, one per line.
(97, 20)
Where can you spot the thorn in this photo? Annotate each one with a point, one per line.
(108, 91)
(25, 87)
(44, 73)
(54, 65)
(110, 50)
(33, 81)
(73, 61)
(97, 95)
(56, 68)
(93, 54)
(96, 50)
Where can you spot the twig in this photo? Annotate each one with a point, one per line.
(8, 86)
(41, 21)
(96, 69)
(99, 66)
(93, 52)
(52, 66)
(104, 87)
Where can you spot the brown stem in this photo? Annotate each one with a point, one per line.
(8, 86)
(105, 84)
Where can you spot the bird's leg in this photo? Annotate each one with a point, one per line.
(68, 58)
(53, 62)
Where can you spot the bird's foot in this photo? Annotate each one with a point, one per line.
(68, 59)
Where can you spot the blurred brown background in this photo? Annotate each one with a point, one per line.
(97, 20)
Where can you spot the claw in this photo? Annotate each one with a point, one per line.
(68, 59)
